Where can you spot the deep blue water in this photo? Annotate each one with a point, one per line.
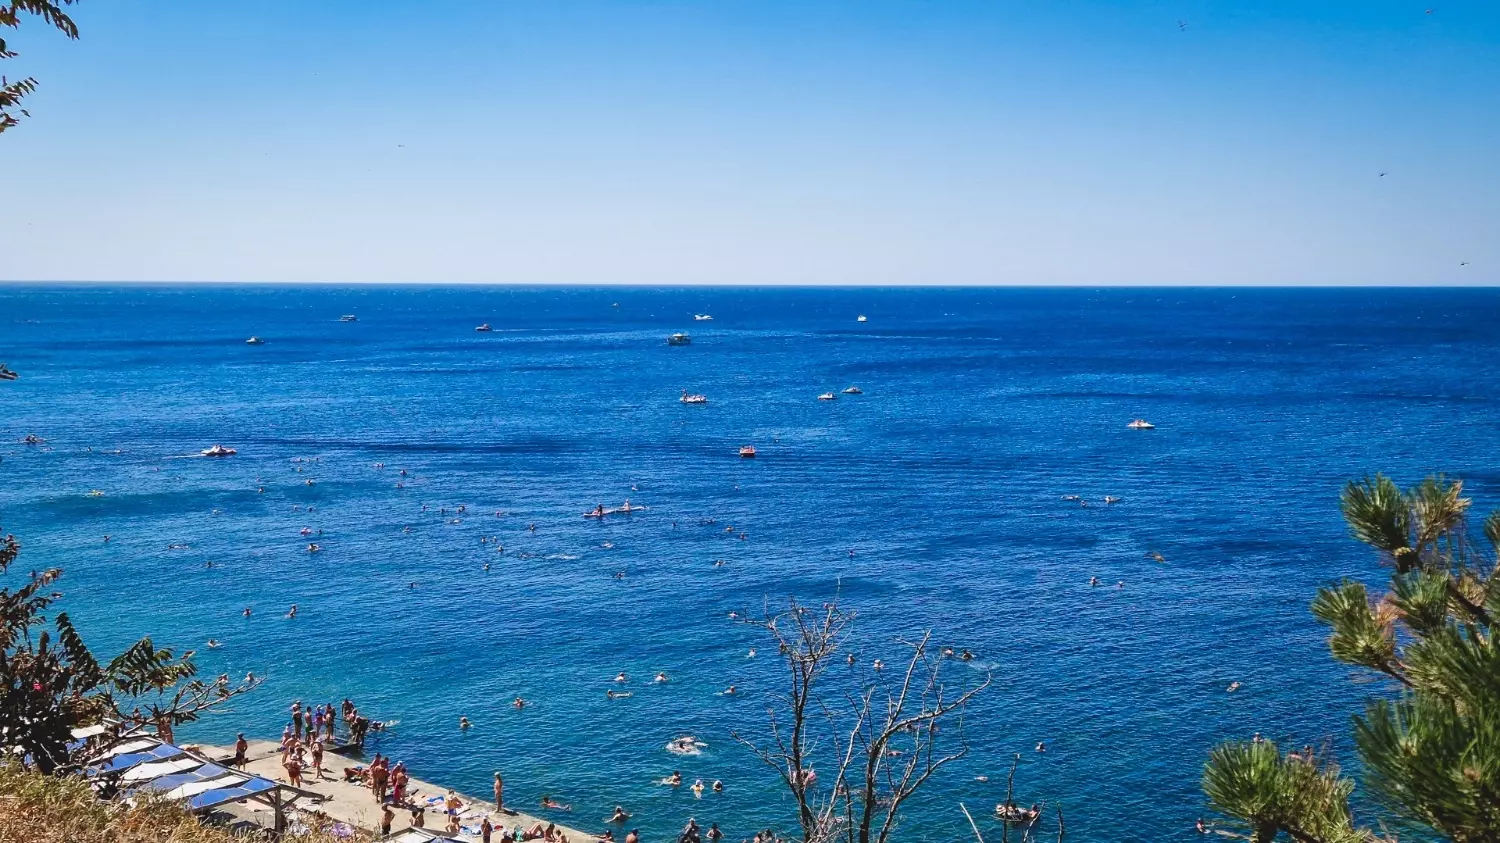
(981, 409)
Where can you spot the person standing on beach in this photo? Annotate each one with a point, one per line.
(317, 759)
(241, 750)
(378, 778)
(499, 792)
(485, 830)
(297, 720)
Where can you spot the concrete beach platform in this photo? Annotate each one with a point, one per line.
(354, 803)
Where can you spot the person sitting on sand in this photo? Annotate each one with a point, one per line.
(533, 833)
(620, 815)
(418, 817)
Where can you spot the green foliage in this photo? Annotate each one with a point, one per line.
(1431, 752)
(11, 12)
(1275, 793)
(50, 682)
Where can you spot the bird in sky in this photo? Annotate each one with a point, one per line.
(1182, 25)
(1463, 263)
(1382, 175)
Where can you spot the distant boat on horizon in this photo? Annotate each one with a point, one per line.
(703, 317)
(1141, 424)
(861, 318)
(679, 338)
(485, 328)
(255, 341)
(7, 374)
(349, 318)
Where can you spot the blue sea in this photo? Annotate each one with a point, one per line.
(981, 409)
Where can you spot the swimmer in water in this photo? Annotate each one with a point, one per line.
(675, 780)
(464, 724)
(850, 660)
(1233, 686)
(519, 703)
(661, 677)
(698, 789)
(292, 612)
(246, 613)
(620, 677)
(620, 815)
(751, 654)
(718, 786)
(729, 692)
(1093, 580)
(966, 656)
(879, 665)
(486, 567)
(1041, 746)
(213, 643)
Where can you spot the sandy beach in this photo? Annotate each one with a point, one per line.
(352, 802)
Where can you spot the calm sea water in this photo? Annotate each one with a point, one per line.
(981, 410)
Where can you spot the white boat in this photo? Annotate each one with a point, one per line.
(348, 318)
(827, 396)
(218, 451)
(703, 317)
(7, 374)
(679, 338)
(485, 328)
(255, 341)
(861, 318)
(1141, 424)
(693, 399)
(853, 390)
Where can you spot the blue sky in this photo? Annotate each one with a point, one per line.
(937, 142)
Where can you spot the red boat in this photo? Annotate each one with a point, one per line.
(748, 452)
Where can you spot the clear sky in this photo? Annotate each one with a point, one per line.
(759, 142)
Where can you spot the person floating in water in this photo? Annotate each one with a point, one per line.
(292, 612)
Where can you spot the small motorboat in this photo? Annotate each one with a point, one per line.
(679, 339)
(827, 396)
(218, 451)
(693, 399)
(703, 317)
(255, 341)
(485, 328)
(1141, 424)
(1013, 814)
(1111, 499)
(861, 318)
(747, 452)
(349, 318)
(6, 374)
(853, 390)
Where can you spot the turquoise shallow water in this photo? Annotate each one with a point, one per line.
(982, 408)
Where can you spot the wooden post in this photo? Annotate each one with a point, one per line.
(280, 822)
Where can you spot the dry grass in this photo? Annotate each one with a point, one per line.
(43, 809)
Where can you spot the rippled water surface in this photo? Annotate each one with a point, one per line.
(981, 410)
